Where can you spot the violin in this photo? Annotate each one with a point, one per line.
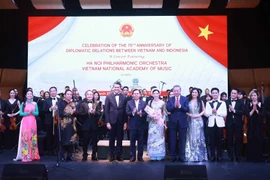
(100, 123)
(55, 120)
(55, 115)
(2, 125)
(13, 125)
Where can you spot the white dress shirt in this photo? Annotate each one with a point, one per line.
(117, 100)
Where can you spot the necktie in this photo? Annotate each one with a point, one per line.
(177, 102)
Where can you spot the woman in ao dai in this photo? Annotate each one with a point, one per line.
(156, 140)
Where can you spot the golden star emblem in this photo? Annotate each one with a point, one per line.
(205, 32)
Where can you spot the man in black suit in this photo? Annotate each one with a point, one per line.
(125, 91)
(115, 106)
(234, 125)
(89, 111)
(50, 108)
(3, 106)
(136, 124)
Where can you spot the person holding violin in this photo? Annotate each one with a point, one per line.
(50, 109)
(2, 122)
(67, 112)
(27, 144)
(89, 111)
(12, 121)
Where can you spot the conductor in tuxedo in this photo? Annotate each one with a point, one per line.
(178, 107)
(50, 108)
(115, 113)
(136, 124)
(216, 111)
(234, 125)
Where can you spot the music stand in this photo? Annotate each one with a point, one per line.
(57, 165)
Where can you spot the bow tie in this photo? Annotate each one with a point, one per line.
(215, 101)
(53, 98)
(116, 95)
(233, 100)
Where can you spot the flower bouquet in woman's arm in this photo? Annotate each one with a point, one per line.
(155, 115)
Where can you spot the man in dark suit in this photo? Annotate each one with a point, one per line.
(125, 91)
(178, 107)
(50, 108)
(89, 112)
(115, 106)
(136, 124)
(234, 125)
(3, 106)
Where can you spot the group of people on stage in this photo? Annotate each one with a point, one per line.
(192, 126)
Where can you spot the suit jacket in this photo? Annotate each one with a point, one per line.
(114, 113)
(3, 106)
(236, 117)
(178, 114)
(136, 121)
(219, 116)
(46, 109)
(89, 121)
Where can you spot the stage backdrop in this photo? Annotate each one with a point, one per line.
(138, 51)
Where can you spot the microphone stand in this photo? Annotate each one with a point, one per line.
(162, 84)
(57, 165)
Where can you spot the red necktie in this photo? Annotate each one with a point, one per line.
(177, 102)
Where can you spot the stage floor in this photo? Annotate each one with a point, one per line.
(105, 170)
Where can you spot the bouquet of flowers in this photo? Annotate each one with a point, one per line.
(155, 115)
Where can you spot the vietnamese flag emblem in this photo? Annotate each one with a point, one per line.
(209, 33)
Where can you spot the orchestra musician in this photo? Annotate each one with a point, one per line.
(67, 110)
(3, 105)
(12, 121)
(89, 111)
(50, 109)
(234, 125)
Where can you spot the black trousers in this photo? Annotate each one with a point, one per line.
(87, 136)
(216, 134)
(11, 138)
(116, 132)
(1, 139)
(79, 131)
(236, 132)
(268, 132)
(52, 140)
(136, 134)
(66, 149)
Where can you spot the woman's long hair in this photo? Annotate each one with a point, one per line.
(199, 101)
(24, 103)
